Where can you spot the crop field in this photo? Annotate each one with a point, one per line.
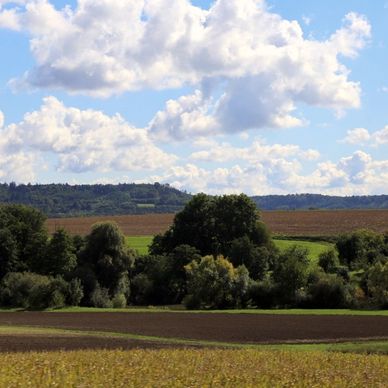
(192, 368)
(291, 223)
(44, 349)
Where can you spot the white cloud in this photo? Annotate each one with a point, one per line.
(357, 136)
(83, 140)
(381, 136)
(353, 175)
(252, 67)
(1, 119)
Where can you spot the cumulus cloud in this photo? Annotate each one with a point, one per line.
(355, 174)
(361, 136)
(83, 140)
(357, 136)
(252, 67)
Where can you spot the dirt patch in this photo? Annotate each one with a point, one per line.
(235, 328)
(294, 223)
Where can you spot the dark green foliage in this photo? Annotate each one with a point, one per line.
(33, 291)
(59, 200)
(263, 294)
(377, 283)
(210, 224)
(360, 249)
(256, 259)
(24, 238)
(327, 291)
(328, 261)
(291, 272)
(60, 256)
(106, 255)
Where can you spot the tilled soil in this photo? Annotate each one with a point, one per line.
(234, 328)
(37, 343)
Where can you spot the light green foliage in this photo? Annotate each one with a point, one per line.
(139, 243)
(215, 283)
(314, 248)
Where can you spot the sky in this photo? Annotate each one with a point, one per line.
(225, 96)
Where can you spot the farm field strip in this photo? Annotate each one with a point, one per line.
(28, 337)
(225, 328)
(291, 223)
(192, 367)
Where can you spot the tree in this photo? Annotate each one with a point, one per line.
(290, 272)
(328, 261)
(210, 224)
(24, 236)
(107, 256)
(60, 257)
(360, 249)
(377, 282)
(215, 283)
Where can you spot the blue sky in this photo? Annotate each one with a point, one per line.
(228, 96)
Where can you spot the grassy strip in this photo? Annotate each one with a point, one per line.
(141, 243)
(180, 309)
(368, 346)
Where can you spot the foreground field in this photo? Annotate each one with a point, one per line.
(215, 328)
(292, 223)
(194, 368)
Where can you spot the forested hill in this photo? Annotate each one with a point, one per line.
(63, 200)
(317, 201)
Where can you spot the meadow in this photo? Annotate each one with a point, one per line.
(141, 243)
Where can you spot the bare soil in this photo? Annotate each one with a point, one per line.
(292, 223)
(233, 328)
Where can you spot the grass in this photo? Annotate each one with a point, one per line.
(192, 368)
(141, 244)
(180, 309)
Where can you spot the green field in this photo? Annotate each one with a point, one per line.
(141, 244)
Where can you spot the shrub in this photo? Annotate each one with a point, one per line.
(119, 301)
(377, 282)
(75, 292)
(328, 291)
(328, 261)
(262, 294)
(100, 298)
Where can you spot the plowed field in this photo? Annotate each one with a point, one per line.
(293, 223)
(231, 328)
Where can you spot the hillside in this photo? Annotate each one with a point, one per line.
(59, 200)
(64, 200)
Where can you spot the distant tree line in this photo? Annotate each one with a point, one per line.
(63, 200)
(217, 254)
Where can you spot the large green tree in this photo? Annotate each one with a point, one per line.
(210, 224)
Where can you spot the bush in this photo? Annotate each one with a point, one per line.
(215, 283)
(100, 298)
(328, 261)
(75, 292)
(119, 301)
(328, 291)
(49, 295)
(262, 294)
(377, 282)
(16, 288)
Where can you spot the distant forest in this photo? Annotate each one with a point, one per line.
(64, 200)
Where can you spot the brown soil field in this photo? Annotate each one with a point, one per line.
(37, 343)
(292, 223)
(233, 328)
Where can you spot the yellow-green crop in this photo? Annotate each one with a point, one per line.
(192, 368)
